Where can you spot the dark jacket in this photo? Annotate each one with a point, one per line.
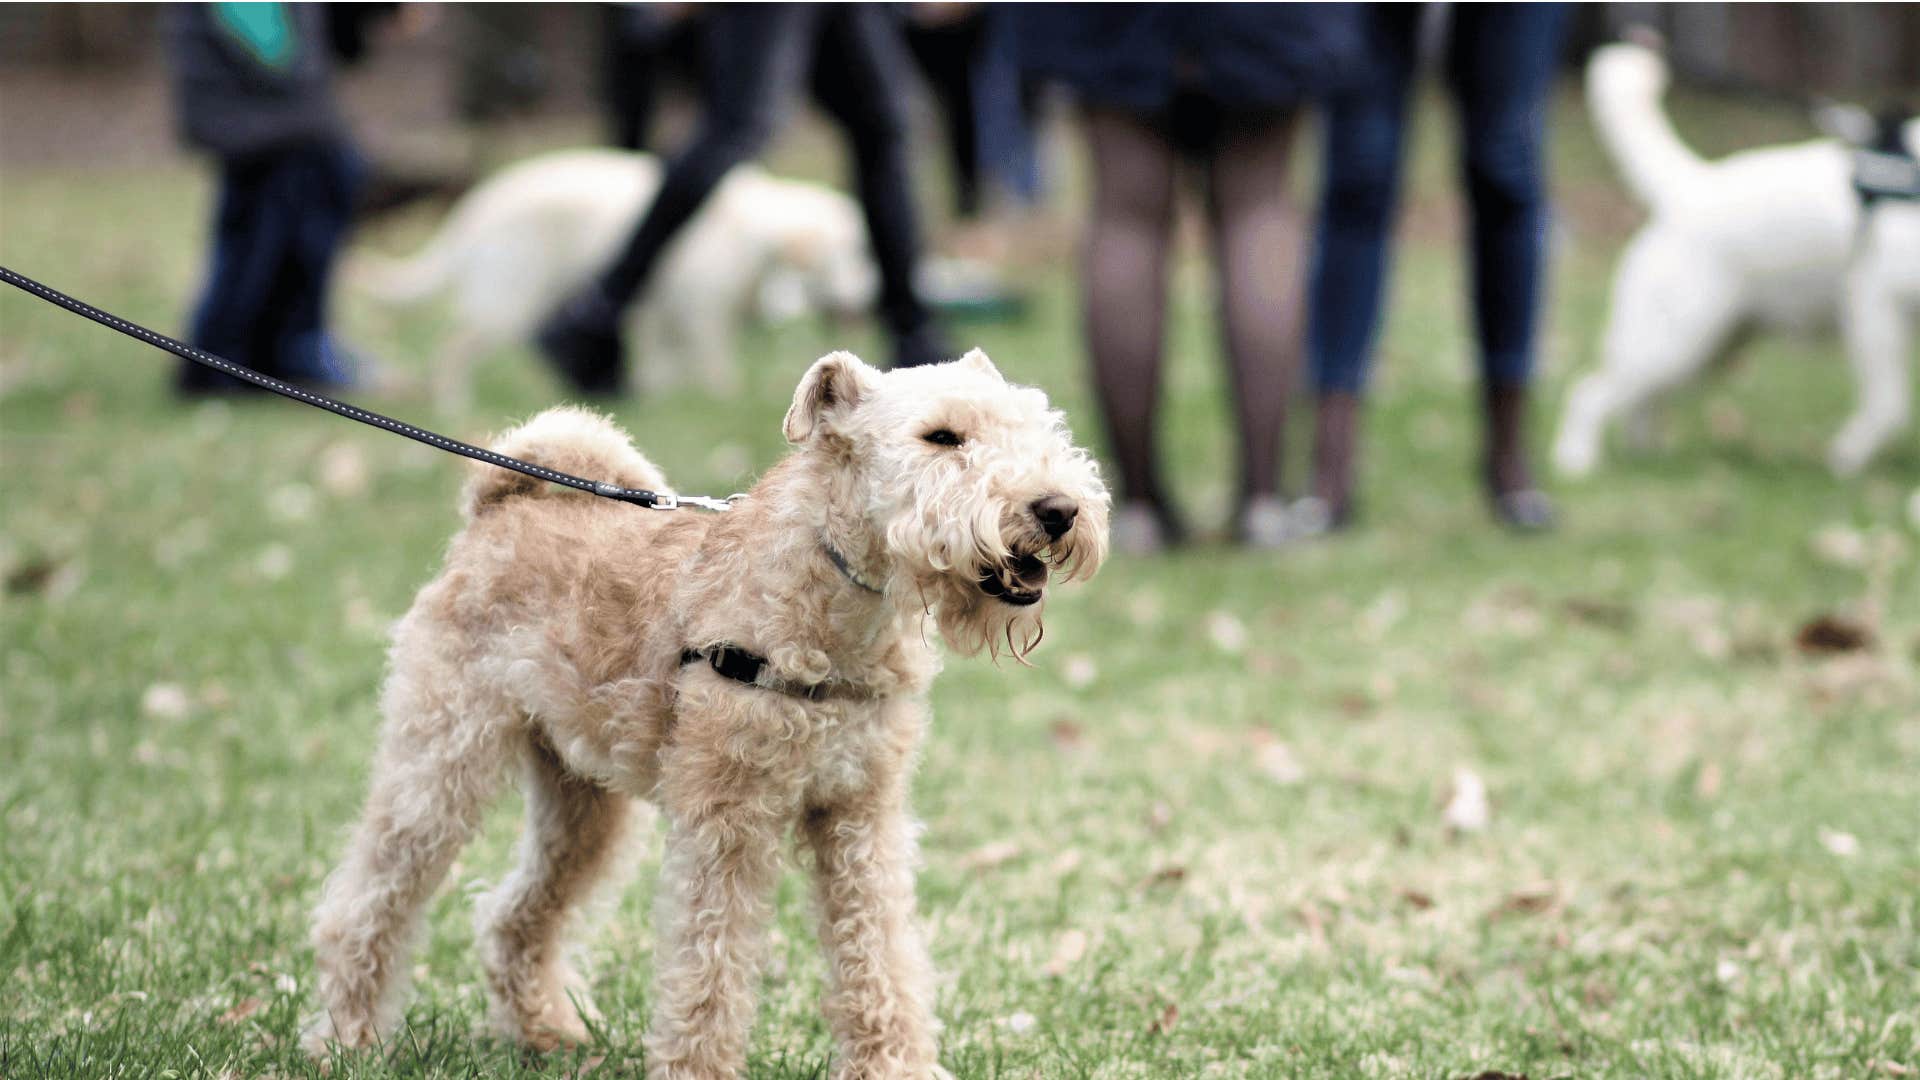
(252, 79)
(1138, 56)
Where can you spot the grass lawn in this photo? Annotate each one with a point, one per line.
(1204, 835)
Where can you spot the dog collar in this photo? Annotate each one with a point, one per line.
(736, 663)
(841, 564)
(1885, 169)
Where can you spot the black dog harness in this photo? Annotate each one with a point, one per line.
(1886, 168)
(733, 662)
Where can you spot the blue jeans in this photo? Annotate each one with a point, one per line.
(1500, 65)
(281, 221)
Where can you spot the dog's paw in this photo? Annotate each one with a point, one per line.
(322, 1039)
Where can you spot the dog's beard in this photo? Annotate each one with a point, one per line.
(985, 580)
(997, 606)
(973, 621)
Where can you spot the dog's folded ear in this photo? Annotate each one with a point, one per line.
(831, 388)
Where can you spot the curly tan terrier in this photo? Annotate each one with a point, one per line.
(744, 671)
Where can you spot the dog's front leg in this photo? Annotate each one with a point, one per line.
(716, 886)
(880, 994)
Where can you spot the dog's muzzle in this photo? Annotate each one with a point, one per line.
(1020, 581)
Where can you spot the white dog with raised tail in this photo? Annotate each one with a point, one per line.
(1769, 238)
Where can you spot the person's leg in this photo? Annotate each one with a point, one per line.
(1501, 63)
(756, 55)
(323, 191)
(633, 37)
(945, 54)
(860, 75)
(1257, 245)
(1125, 290)
(248, 243)
(1364, 131)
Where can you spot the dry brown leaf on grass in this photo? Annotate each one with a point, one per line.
(1416, 899)
(1531, 900)
(341, 470)
(1066, 734)
(1595, 611)
(1228, 633)
(165, 701)
(1164, 1023)
(1828, 635)
(989, 855)
(1843, 844)
(1467, 809)
(1276, 759)
(1170, 874)
(1067, 951)
(1079, 671)
(241, 1010)
(1706, 784)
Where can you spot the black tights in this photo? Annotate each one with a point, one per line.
(1257, 248)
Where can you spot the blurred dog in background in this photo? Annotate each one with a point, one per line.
(1775, 237)
(518, 244)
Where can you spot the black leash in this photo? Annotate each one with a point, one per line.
(637, 496)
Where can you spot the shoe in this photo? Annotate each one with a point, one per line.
(1311, 517)
(1139, 527)
(581, 342)
(1264, 523)
(1516, 502)
(1525, 510)
(1336, 423)
(924, 344)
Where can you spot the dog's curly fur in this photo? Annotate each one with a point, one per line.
(554, 635)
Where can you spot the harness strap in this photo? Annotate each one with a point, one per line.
(736, 663)
(636, 496)
(1885, 169)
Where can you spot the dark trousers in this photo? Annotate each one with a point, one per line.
(281, 220)
(1500, 64)
(757, 59)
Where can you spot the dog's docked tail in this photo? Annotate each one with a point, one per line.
(569, 439)
(1624, 85)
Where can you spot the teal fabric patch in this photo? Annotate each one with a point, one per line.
(262, 28)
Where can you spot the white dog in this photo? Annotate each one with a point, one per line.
(1766, 238)
(514, 247)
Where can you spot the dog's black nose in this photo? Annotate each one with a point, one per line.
(1056, 514)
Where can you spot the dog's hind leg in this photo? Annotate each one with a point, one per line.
(439, 762)
(1670, 318)
(571, 844)
(1878, 345)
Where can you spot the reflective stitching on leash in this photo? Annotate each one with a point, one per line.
(636, 496)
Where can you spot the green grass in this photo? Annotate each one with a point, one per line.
(191, 643)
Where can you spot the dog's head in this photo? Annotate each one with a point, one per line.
(970, 486)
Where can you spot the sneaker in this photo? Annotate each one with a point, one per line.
(1264, 523)
(581, 341)
(1136, 530)
(1526, 510)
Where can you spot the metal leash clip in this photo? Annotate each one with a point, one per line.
(704, 502)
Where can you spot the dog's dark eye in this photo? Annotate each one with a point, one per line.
(943, 437)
